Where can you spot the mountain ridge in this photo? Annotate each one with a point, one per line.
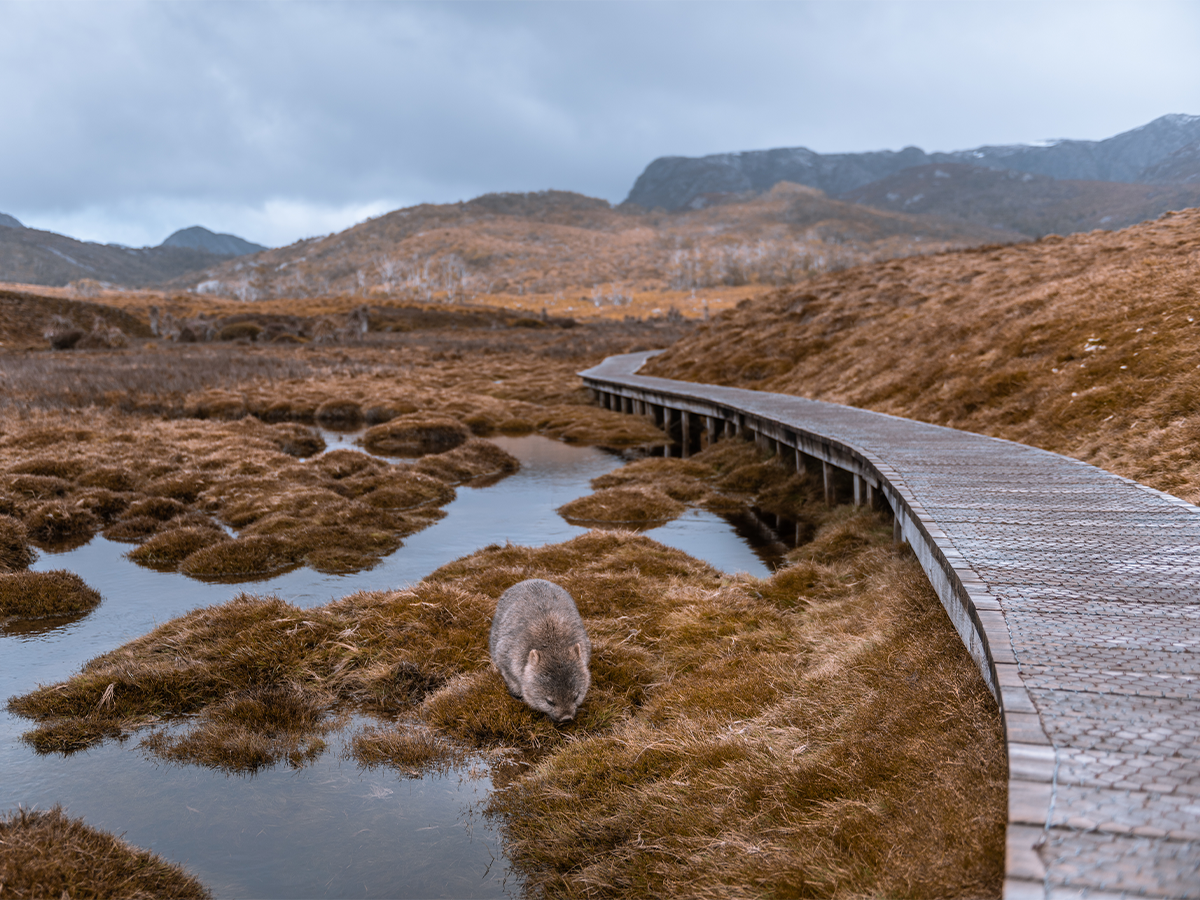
(677, 182)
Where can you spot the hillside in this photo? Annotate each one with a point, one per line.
(1087, 345)
(1034, 205)
(199, 238)
(676, 182)
(31, 256)
(569, 253)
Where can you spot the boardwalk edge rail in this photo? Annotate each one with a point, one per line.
(976, 614)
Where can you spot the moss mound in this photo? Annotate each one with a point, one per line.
(38, 595)
(47, 854)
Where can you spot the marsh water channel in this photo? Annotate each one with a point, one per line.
(332, 828)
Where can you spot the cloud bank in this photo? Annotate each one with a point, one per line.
(125, 121)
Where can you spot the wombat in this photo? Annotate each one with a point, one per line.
(540, 646)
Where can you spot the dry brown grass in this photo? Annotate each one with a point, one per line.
(411, 748)
(1087, 345)
(415, 435)
(252, 729)
(15, 552)
(39, 595)
(827, 718)
(727, 476)
(634, 507)
(173, 484)
(576, 256)
(47, 854)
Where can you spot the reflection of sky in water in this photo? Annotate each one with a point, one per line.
(330, 829)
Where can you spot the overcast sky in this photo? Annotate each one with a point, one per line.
(122, 122)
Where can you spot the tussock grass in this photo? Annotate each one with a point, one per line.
(171, 485)
(638, 506)
(828, 716)
(252, 729)
(169, 548)
(15, 552)
(38, 595)
(728, 475)
(415, 435)
(48, 854)
(413, 749)
(1087, 345)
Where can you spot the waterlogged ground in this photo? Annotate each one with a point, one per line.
(331, 829)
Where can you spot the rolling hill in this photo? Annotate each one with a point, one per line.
(32, 256)
(678, 182)
(554, 245)
(1087, 345)
(1034, 205)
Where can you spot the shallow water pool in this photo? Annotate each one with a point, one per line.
(331, 829)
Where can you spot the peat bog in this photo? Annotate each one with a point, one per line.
(825, 717)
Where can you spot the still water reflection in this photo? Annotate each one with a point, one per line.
(331, 829)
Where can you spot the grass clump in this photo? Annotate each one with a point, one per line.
(15, 552)
(48, 854)
(170, 548)
(827, 718)
(415, 435)
(39, 595)
(411, 749)
(728, 475)
(252, 729)
(635, 506)
(256, 556)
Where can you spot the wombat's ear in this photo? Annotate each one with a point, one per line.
(533, 658)
(577, 651)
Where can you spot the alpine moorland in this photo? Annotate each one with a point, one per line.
(1088, 345)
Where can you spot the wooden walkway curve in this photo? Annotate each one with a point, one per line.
(1077, 593)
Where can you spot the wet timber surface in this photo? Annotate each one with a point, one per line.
(1076, 591)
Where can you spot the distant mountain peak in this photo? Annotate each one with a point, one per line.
(200, 238)
(675, 182)
(9, 222)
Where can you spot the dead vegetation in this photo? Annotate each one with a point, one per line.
(1087, 345)
(48, 854)
(828, 716)
(41, 595)
(173, 487)
(577, 256)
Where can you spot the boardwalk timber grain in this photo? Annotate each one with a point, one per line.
(1076, 592)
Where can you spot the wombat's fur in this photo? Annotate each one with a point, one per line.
(541, 648)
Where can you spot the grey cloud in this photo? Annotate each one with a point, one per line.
(124, 107)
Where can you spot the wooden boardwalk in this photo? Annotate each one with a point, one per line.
(1077, 593)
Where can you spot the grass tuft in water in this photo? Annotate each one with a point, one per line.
(39, 595)
(15, 552)
(48, 854)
